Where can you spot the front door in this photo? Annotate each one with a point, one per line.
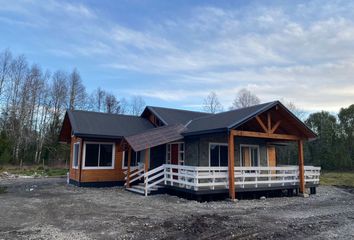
(174, 157)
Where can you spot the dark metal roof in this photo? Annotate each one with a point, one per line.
(225, 120)
(170, 116)
(155, 137)
(105, 125)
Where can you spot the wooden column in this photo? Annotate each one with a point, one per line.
(231, 166)
(147, 151)
(301, 166)
(128, 171)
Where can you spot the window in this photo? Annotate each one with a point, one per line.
(76, 151)
(218, 155)
(99, 155)
(134, 161)
(249, 155)
(168, 158)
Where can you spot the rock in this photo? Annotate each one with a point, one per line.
(262, 198)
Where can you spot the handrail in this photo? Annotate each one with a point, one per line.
(210, 177)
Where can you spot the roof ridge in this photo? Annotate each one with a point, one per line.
(234, 110)
(184, 110)
(103, 113)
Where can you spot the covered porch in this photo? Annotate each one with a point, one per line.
(254, 170)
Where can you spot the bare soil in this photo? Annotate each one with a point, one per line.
(50, 209)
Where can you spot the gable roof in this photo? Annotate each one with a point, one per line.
(170, 116)
(225, 120)
(105, 125)
(231, 119)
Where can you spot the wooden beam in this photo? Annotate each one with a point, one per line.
(259, 120)
(146, 165)
(264, 135)
(301, 167)
(269, 122)
(231, 167)
(128, 171)
(275, 127)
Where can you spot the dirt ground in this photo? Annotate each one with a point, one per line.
(50, 209)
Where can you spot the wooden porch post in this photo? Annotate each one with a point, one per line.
(301, 166)
(231, 166)
(128, 171)
(147, 151)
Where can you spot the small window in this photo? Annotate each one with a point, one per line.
(76, 151)
(99, 155)
(218, 155)
(135, 159)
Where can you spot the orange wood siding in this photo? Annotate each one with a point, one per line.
(271, 156)
(105, 175)
(74, 173)
(96, 175)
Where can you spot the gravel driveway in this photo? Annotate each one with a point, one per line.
(50, 209)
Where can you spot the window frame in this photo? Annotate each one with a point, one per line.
(78, 156)
(258, 154)
(169, 152)
(98, 167)
(218, 144)
(136, 160)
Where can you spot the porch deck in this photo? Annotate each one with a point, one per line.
(199, 180)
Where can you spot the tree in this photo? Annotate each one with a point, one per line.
(244, 98)
(97, 100)
(346, 118)
(5, 68)
(111, 104)
(77, 91)
(298, 112)
(211, 103)
(322, 151)
(137, 105)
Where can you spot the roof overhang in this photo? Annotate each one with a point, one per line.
(155, 137)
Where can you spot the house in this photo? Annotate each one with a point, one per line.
(189, 152)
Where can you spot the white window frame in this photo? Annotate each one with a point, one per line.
(168, 153)
(98, 167)
(258, 153)
(218, 144)
(136, 160)
(78, 156)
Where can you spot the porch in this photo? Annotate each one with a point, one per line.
(209, 180)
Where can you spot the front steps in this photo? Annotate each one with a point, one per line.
(140, 189)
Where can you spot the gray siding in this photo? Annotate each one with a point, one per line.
(197, 148)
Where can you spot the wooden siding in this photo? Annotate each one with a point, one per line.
(96, 175)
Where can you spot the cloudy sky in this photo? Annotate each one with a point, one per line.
(173, 53)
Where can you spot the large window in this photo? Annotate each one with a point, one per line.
(249, 155)
(135, 159)
(76, 152)
(218, 155)
(99, 155)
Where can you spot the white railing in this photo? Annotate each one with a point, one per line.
(136, 173)
(196, 178)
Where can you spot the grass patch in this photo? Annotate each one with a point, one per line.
(37, 171)
(2, 190)
(337, 179)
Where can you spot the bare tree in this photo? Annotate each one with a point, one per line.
(244, 98)
(77, 91)
(137, 105)
(298, 112)
(124, 106)
(5, 68)
(211, 103)
(111, 104)
(97, 100)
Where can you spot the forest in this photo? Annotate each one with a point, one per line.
(33, 102)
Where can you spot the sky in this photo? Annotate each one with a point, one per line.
(174, 53)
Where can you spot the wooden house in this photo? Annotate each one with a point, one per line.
(189, 152)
